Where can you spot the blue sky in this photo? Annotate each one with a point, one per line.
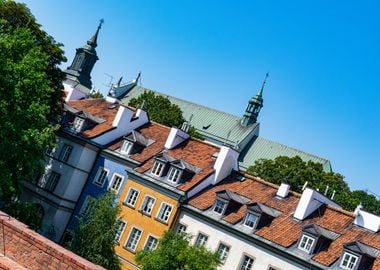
(323, 57)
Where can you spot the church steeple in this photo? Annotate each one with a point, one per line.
(254, 106)
(84, 61)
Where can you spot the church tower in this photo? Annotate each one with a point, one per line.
(84, 61)
(254, 106)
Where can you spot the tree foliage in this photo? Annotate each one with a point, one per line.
(95, 234)
(295, 172)
(28, 213)
(30, 95)
(159, 108)
(175, 252)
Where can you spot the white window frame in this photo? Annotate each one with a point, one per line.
(158, 168)
(174, 175)
(87, 206)
(65, 153)
(135, 240)
(129, 194)
(306, 243)
(163, 215)
(247, 220)
(114, 176)
(215, 206)
(126, 147)
(223, 253)
(120, 229)
(250, 260)
(78, 123)
(147, 245)
(347, 264)
(201, 239)
(181, 228)
(144, 203)
(99, 176)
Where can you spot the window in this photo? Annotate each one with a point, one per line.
(65, 152)
(349, 261)
(116, 182)
(87, 206)
(52, 181)
(219, 206)
(250, 220)
(201, 240)
(132, 197)
(306, 243)
(165, 212)
(181, 228)
(246, 263)
(126, 147)
(133, 239)
(157, 168)
(101, 176)
(272, 268)
(147, 205)
(173, 175)
(78, 124)
(223, 251)
(151, 243)
(120, 226)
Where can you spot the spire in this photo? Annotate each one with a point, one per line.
(260, 93)
(93, 40)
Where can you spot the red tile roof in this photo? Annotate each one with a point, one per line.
(284, 230)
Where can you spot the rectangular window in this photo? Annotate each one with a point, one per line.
(157, 168)
(349, 261)
(116, 182)
(250, 220)
(52, 181)
(87, 206)
(132, 197)
(147, 205)
(219, 206)
(246, 263)
(223, 251)
(151, 243)
(78, 124)
(173, 175)
(164, 213)
(65, 152)
(181, 228)
(126, 147)
(306, 243)
(201, 240)
(133, 239)
(120, 226)
(101, 176)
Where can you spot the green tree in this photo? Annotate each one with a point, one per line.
(175, 252)
(159, 108)
(28, 213)
(30, 95)
(295, 172)
(94, 237)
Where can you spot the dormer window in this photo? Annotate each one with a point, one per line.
(174, 174)
(306, 243)
(349, 261)
(78, 124)
(158, 168)
(126, 147)
(250, 220)
(220, 206)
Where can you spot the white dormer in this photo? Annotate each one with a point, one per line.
(366, 220)
(310, 201)
(176, 136)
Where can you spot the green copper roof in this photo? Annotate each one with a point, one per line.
(262, 148)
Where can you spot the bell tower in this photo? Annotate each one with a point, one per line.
(84, 61)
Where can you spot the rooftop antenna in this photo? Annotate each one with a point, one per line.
(326, 190)
(110, 84)
(142, 105)
(333, 195)
(304, 185)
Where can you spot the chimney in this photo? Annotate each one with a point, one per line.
(283, 190)
(366, 220)
(176, 136)
(226, 161)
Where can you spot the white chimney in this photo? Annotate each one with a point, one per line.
(226, 161)
(283, 190)
(176, 136)
(366, 220)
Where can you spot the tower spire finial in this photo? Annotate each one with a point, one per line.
(93, 40)
(263, 85)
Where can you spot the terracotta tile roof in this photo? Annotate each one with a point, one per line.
(194, 152)
(100, 108)
(284, 230)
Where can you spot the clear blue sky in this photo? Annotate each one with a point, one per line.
(322, 95)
